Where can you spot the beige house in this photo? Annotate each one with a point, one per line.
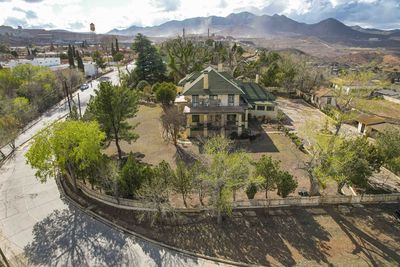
(215, 103)
(324, 97)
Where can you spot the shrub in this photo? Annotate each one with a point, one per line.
(142, 84)
(251, 191)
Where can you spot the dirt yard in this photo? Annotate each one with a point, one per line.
(150, 146)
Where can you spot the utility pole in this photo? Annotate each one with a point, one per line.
(66, 92)
(79, 105)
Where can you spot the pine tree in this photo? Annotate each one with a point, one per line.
(149, 65)
(116, 45)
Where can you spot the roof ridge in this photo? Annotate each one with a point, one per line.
(234, 84)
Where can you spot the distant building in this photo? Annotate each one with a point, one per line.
(324, 97)
(372, 125)
(37, 61)
(90, 69)
(389, 95)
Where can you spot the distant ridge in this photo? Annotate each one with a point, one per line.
(246, 24)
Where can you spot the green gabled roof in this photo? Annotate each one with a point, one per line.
(189, 78)
(255, 92)
(217, 84)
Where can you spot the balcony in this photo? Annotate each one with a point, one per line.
(206, 103)
(214, 106)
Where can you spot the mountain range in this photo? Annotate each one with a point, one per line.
(248, 25)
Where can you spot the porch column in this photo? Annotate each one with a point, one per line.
(246, 119)
(239, 123)
(188, 123)
(223, 124)
(205, 130)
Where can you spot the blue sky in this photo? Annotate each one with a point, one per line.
(77, 14)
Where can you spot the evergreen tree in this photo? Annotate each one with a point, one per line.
(71, 57)
(112, 49)
(116, 45)
(149, 65)
(80, 62)
(73, 51)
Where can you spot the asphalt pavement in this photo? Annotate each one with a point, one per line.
(38, 229)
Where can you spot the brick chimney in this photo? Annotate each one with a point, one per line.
(205, 80)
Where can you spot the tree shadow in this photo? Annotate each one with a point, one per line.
(256, 237)
(262, 143)
(184, 155)
(70, 238)
(161, 257)
(364, 243)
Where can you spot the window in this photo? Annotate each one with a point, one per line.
(213, 97)
(231, 100)
(260, 108)
(195, 118)
(270, 108)
(329, 101)
(231, 117)
(195, 100)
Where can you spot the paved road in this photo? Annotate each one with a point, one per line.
(39, 229)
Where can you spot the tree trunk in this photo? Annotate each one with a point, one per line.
(314, 186)
(184, 200)
(72, 175)
(118, 147)
(219, 217)
(201, 197)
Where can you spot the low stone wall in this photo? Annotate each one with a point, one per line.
(248, 204)
(118, 202)
(318, 200)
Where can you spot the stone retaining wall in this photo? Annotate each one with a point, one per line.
(248, 204)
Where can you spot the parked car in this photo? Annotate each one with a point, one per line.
(304, 193)
(84, 86)
(104, 78)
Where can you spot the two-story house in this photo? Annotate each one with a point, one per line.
(214, 103)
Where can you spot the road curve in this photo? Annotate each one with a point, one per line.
(38, 229)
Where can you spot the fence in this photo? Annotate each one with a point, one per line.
(248, 204)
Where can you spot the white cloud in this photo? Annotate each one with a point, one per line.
(78, 14)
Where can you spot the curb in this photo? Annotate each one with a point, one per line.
(26, 141)
(137, 235)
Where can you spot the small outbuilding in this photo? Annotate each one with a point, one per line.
(367, 123)
(324, 97)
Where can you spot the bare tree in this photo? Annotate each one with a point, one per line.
(173, 123)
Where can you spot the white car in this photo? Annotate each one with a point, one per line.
(84, 86)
